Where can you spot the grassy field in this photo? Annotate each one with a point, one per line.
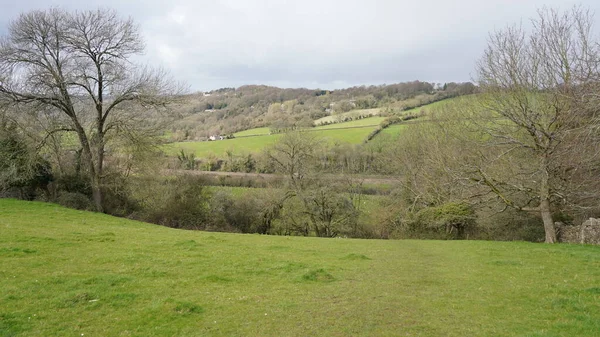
(353, 132)
(72, 273)
(352, 113)
(255, 140)
(253, 132)
(370, 121)
(393, 130)
(239, 146)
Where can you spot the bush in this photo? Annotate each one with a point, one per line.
(453, 220)
(180, 202)
(75, 200)
(118, 197)
(73, 183)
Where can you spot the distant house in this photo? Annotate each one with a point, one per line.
(212, 138)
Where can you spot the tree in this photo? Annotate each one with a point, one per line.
(20, 166)
(76, 68)
(323, 202)
(540, 94)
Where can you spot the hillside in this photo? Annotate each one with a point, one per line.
(229, 110)
(72, 273)
(253, 141)
(330, 129)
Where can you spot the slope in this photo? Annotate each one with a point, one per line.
(72, 273)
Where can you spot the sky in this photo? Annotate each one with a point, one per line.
(323, 44)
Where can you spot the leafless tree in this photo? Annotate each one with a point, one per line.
(78, 67)
(328, 211)
(543, 84)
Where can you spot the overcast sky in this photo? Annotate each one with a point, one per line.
(312, 43)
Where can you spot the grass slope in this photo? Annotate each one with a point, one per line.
(71, 273)
(253, 132)
(219, 148)
(352, 113)
(255, 140)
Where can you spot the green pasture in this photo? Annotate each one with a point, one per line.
(74, 273)
(253, 132)
(370, 121)
(352, 113)
(353, 132)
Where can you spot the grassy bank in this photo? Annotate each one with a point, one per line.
(71, 273)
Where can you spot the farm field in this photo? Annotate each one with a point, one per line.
(253, 132)
(394, 130)
(219, 148)
(352, 113)
(353, 132)
(73, 273)
(370, 121)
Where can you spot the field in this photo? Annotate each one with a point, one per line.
(72, 273)
(219, 148)
(255, 140)
(370, 121)
(253, 132)
(354, 132)
(393, 130)
(353, 113)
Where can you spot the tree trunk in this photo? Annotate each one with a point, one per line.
(545, 210)
(97, 194)
(99, 171)
(548, 221)
(93, 173)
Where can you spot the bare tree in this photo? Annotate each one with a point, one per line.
(77, 67)
(540, 96)
(328, 210)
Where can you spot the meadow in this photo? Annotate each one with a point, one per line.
(74, 273)
(255, 140)
(352, 114)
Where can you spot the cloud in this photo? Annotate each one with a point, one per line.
(313, 43)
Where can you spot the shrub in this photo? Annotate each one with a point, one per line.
(75, 200)
(453, 220)
(73, 183)
(181, 202)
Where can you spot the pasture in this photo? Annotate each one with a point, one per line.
(255, 140)
(74, 273)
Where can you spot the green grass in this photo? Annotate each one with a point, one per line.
(353, 132)
(393, 130)
(370, 121)
(352, 113)
(219, 148)
(433, 105)
(253, 132)
(72, 273)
